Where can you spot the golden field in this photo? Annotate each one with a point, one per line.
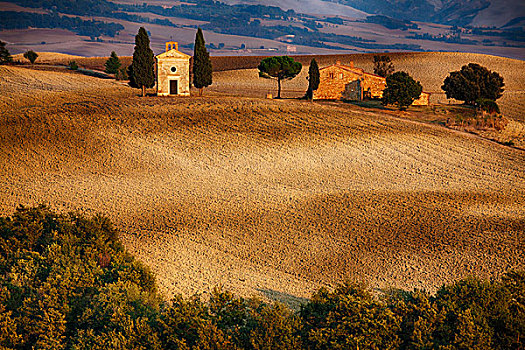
(238, 74)
(429, 68)
(267, 197)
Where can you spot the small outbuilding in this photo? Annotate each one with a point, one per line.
(173, 71)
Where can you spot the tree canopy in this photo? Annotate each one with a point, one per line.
(313, 79)
(31, 56)
(142, 67)
(279, 68)
(383, 65)
(67, 283)
(5, 56)
(473, 82)
(202, 69)
(112, 64)
(401, 90)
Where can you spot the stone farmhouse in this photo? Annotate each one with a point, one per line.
(342, 82)
(173, 71)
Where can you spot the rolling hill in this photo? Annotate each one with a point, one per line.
(264, 197)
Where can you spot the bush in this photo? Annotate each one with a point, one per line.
(488, 106)
(67, 283)
(349, 318)
(72, 65)
(55, 291)
(31, 56)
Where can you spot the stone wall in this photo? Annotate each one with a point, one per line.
(374, 84)
(333, 81)
(165, 74)
(339, 82)
(353, 91)
(423, 100)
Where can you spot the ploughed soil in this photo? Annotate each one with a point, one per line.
(267, 197)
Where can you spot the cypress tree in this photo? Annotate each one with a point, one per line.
(5, 56)
(143, 63)
(313, 79)
(112, 64)
(202, 70)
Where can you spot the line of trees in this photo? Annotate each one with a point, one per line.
(92, 28)
(67, 283)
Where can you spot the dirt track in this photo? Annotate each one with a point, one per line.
(266, 197)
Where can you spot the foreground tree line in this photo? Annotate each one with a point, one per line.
(67, 283)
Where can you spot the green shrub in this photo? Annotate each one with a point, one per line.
(486, 105)
(31, 56)
(72, 65)
(349, 318)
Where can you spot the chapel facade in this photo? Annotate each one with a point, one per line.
(173, 71)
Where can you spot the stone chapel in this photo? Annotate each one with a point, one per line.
(173, 71)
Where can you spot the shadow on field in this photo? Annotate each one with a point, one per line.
(95, 74)
(285, 298)
(375, 104)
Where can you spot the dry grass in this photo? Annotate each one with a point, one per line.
(267, 197)
(48, 58)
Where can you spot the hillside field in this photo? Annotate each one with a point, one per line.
(238, 74)
(265, 197)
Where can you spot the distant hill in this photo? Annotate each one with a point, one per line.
(322, 7)
(255, 27)
(452, 12)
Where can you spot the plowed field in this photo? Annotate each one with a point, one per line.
(264, 197)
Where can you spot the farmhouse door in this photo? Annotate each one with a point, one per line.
(174, 87)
